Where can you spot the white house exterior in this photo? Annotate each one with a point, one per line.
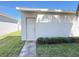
(7, 24)
(37, 23)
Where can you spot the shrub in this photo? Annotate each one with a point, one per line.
(57, 40)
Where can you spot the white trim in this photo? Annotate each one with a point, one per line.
(44, 11)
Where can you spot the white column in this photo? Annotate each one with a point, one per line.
(23, 28)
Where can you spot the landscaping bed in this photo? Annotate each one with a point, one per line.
(58, 48)
(57, 40)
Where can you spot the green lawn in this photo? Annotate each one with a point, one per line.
(11, 44)
(58, 50)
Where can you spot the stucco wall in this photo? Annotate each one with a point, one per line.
(7, 25)
(53, 29)
(56, 27)
(6, 28)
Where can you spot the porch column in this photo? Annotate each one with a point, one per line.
(23, 27)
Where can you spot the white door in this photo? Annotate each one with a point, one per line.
(30, 29)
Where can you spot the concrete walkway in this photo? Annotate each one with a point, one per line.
(29, 50)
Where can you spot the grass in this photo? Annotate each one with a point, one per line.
(58, 50)
(10, 45)
(17, 33)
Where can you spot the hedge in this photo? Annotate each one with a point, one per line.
(56, 40)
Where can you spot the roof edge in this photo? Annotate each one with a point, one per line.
(43, 10)
(31, 9)
(5, 15)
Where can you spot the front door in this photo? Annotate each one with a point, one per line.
(31, 28)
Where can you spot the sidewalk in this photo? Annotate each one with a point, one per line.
(29, 50)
